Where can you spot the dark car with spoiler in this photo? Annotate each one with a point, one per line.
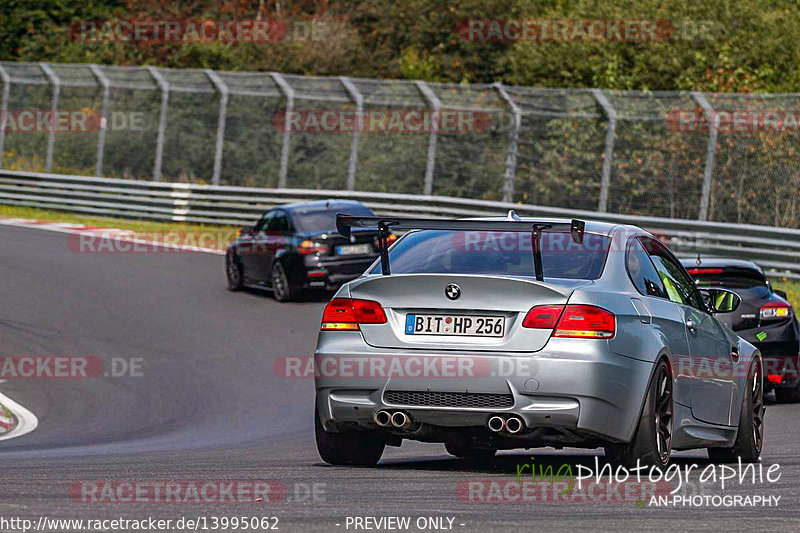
(296, 247)
(765, 318)
(509, 332)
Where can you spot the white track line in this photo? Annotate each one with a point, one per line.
(109, 233)
(26, 420)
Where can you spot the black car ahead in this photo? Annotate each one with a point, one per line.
(295, 247)
(764, 318)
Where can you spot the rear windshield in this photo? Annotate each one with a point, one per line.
(314, 220)
(733, 280)
(497, 253)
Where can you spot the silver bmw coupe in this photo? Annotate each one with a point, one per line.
(503, 333)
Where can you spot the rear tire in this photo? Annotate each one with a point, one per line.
(355, 448)
(233, 271)
(282, 286)
(750, 437)
(477, 455)
(652, 441)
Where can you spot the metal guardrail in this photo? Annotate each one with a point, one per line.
(777, 250)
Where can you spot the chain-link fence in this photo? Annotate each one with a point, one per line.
(719, 157)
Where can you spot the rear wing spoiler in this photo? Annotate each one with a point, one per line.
(345, 223)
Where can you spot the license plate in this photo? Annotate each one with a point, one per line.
(354, 249)
(456, 325)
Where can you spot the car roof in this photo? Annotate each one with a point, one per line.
(720, 262)
(320, 204)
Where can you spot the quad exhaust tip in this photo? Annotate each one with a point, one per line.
(496, 424)
(512, 424)
(383, 418)
(401, 420)
(387, 419)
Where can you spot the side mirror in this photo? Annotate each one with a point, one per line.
(721, 300)
(780, 293)
(246, 230)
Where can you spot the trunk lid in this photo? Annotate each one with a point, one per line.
(402, 295)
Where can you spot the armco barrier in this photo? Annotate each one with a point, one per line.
(777, 250)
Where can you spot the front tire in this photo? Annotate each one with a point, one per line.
(750, 436)
(652, 441)
(355, 448)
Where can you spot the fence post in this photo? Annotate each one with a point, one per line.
(4, 109)
(101, 134)
(222, 88)
(288, 93)
(162, 120)
(51, 138)
(513, 144)
(705, 197)
(608, 154)
(358, 99)
(436, 105)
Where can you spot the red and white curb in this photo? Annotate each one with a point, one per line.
(118, 235)
(23, 421)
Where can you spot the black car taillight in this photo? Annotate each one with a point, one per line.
(772, 311)
(309, 247)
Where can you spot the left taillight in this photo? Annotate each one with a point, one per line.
(775, 311)
(348, 313)
(309, 247)
(575, 321)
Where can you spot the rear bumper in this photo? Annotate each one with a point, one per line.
(577, 388)
(333, 272)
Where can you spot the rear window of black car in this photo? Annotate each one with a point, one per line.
(497, 253)
(734, 280)
(315, 220)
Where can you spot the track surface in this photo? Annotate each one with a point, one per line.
(209, 407)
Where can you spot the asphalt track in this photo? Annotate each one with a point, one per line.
(208, 406)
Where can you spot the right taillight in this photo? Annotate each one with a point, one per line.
(775, 311)
(572, 321)
(348, 313)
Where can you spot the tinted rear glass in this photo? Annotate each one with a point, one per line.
(734, 280)
(497, 253)
(315, 220)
